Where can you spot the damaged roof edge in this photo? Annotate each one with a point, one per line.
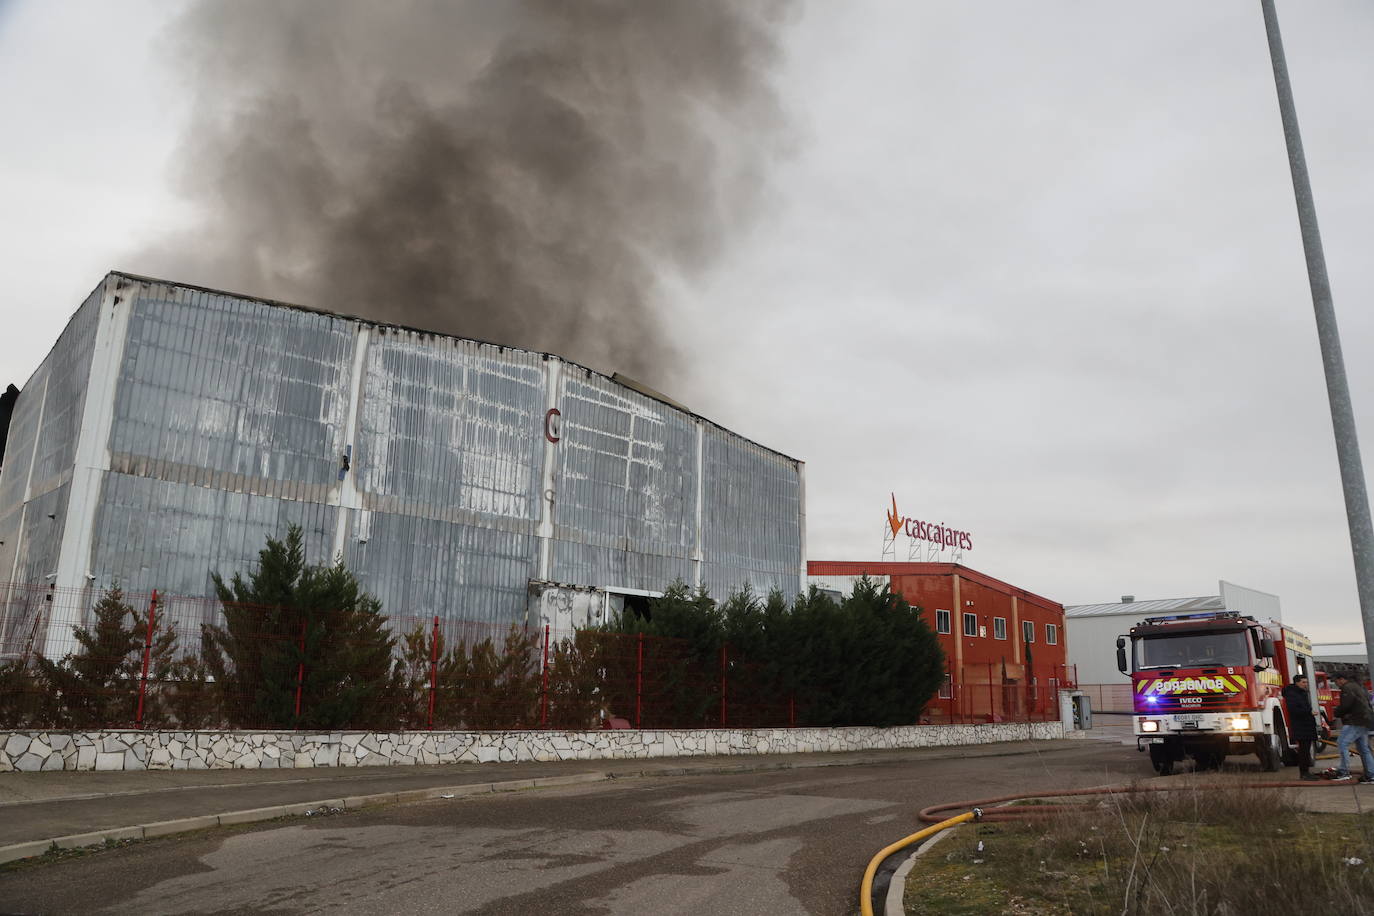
(614, 378)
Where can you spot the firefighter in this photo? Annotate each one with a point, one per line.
(1302, 724)
(1356, 720)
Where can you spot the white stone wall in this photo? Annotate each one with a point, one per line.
(168, 750)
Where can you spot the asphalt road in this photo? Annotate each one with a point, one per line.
(758, 843)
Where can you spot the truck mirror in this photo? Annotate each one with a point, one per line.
(1121, 642)
(1120, 656)
(1267, 648)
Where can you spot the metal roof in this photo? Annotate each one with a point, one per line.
(1145, 608)
(1324, 649)
(615, 378)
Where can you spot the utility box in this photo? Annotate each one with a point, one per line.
(1082, 710)
(1075, 710)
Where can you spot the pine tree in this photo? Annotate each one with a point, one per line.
(413, 674)
(682, 660)
(501, 688)
(191, 701)
(758, 637)
(98, 685)
(293, 628)
(425, 659)
(822, 660)
(869, 660)
(575, 666)
(161, 650)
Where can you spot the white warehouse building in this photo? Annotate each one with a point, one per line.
(172, 429)
(1093, 629)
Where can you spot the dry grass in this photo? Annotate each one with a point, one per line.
(1194, 852)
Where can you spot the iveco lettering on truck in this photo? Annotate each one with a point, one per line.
(1209, 685)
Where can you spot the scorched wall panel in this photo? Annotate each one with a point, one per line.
(625, 485)
(220, 384)
(449, 425)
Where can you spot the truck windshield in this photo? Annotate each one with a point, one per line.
(1193, 650)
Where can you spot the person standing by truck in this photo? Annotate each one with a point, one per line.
(1356, 720)
(1302, 723)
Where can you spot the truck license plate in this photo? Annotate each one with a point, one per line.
(1187, 717)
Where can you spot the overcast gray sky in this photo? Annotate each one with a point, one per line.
(1034, 268)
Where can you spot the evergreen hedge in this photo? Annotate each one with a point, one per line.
(289, 628)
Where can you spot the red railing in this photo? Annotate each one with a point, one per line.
(150, 672)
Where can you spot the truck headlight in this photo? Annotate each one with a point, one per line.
(1241, 723)
(1149, 726)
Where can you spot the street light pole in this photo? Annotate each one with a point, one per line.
(1337, 390)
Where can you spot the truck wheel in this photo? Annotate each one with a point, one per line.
(1289, 755)
(1267, 750)
(1162, 760)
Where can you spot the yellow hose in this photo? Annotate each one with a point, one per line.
(866, 888)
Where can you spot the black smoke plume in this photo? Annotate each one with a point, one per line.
(523, 172)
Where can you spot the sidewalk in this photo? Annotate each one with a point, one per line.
(40, 807)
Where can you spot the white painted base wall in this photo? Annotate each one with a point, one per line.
(168, 750)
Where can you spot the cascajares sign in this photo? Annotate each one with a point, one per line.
(934, 532)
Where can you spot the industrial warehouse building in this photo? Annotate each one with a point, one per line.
(1004, 646)
(1093, 629)
(172, 429)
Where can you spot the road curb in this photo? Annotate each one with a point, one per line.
(28, 850)
(894, 904)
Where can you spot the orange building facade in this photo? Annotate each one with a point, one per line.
(1005, 649)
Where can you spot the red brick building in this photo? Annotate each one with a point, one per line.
(1005, 647)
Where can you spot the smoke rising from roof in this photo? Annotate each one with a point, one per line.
(519, 172)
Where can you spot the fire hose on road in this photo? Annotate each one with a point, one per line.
(999, 809)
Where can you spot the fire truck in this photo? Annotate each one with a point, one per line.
(1208, 685)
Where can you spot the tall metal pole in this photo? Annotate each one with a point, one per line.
(1337, 391)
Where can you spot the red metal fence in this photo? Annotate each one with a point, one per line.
(1110, 698)
(150, 671)
(986, 693)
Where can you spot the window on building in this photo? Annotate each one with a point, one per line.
(999, 628)
(1051, 634)
(1028, 631)
(970, 624)
(947, 688)
(942, 621)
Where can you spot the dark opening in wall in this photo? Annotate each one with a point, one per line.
(638, 605)
(7, 402)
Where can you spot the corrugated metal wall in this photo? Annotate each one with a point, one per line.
(14, 477)
(448, 468)
(39, 457)
(69, 366)
(751, 516)
(165, 535)
(42, 446)
(626, 479)
(225, 386)
(230, 417)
